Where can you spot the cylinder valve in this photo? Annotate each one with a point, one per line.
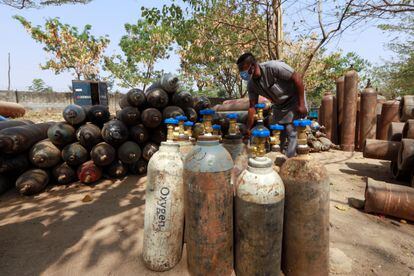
(180, 133)
(207, 118)
(301, 125)
(217, 130)
(259, 111)
(171, 123)
(260, 137)
(188, 129)
(275, 138)
(233, 126)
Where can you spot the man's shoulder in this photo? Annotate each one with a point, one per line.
(276, 64)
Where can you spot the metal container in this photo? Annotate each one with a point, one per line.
(139, 134)
(116, 169)
(172, 111)
(164, 208)
(89, 135)
(61, 134)
(200, 103)
(129, 115)
(406, 108)
(389, 114)
(98, 114)
(389, 199)
(103, 154)
(306, 220)
(74, 114)
(151, 117)
(139, 167)
(149, 150)
(14, 164)
(368, 116)
(191, 114)
(381, 149)
(169, 82)
(114, 132)
(349, 111)
(395, 131)
(129, 152)
(209, 208)
(13, 123)
(182, 99)
(64, 174)
(329, 116)
(158, 134)
(88, 172)
(406, 155)
(32, 182)
(44, 154)
(157, 97)
(259, 205)
(277, 157)
(6, 183)
(74, 154)
(340, 85)
(135, 97)
(408, 129)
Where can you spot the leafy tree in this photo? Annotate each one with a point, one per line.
(145, 43)
(38, 85)
(22, 4)
(71, 49)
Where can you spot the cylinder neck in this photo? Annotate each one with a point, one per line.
(302, 147)
(263, 164)
(208, 140)
(169, 146)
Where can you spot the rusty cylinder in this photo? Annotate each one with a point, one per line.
(151, 117)
(306, 221)
(408, 129)
(89, 135)
(88, 172)
(209, 208)
(44, 154)
(61, 134)
(349, 111)
(406, 108)
(340, 82)
(368, 115)
(64, 174)
(135, 97)
(13, 123)
(329, 115)
(389, 199)
(406, 155)
(395, 131)
(32, 182)
(389, 114)
(259, 205)
(381, 149)
(139, 134)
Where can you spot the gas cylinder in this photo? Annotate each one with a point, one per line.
(408, 129)
(74, 114)
(64, 174)
(114, 132)
(21, 138)
(129, 152)
(98, 114)
(149, 150)
(233, 143)
(135, 97)
(14, 164)
(389, 114)
(151, 117)
(349, 111)
(209, 205)
(258, 209)
(276, 155)
(158, 134)
(139, 167)
(157, 97)
(172, 111)
(74, 154)
(368, 115)
(129, 115)
(200, 103)
(198, 130)
(182, 137)
(116, 169)
(88, 172)
(103, 154)
(340, 83)
(306, 220)
(89, 135)
(406, 108)
(329, 116)
(169, 82)
(44, 154)
(13, 123)
(61, 134)
(164, 208)
(191, 114)
(182, 99)
(32, 182)
(6, 183)
(139, 133)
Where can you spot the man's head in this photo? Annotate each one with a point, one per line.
(247, 66)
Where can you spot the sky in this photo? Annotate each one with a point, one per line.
(108, 17)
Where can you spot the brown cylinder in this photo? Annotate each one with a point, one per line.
(103, 154)
(172, 111)
(358, 120)
(396, 173)
(406, 155)
(349, 111)
(151, 117)
(12, 110)
(191, 114)
(408, 129)
(89, 135)
(64, 174)
(129, 115)
(329, 116)
(368, 116)
(395, 131)
(406, 108)
(32, 182)
(156, 97)
(381, 149)
(389, 114)
(380, 101)
(139, 134)
(149, 150)
(340, 82)
(389, 199)
(88, 172)
(13, 123)
(139, 167)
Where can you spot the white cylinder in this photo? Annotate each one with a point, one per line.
(185, 148)
(164, 209)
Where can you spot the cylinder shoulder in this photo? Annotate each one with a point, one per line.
(303, 168)
(208, 159)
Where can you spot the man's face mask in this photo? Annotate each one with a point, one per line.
(246, 75)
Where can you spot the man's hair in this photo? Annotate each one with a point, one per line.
(246, 57)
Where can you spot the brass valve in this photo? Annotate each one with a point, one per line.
(260, 137)
(259, 112)
(180, 131)
(216, 130)
(188, 129)
(233, 126)
(274, 140)
(207, 118)
(302, 135)
(170, 128)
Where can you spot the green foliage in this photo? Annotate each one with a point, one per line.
(38, 85)
(71, 49)
(22, 4)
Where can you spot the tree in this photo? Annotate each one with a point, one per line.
(71, 49)
(38, 85)
(22, 4)
(145, 43)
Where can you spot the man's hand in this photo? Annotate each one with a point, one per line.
(302, 110)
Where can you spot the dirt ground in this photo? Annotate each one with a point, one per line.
(57, 233)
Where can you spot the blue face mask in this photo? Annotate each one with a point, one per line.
(245, 75)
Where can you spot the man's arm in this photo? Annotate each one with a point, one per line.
(300, 89)
(250, 114)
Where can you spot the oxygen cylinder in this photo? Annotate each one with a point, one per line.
(116, 169)
(89, 135)
(169, 82)
(200, 103)
(21, 138)
(61, 134)
(13, 123)
(164, 208)
(277, 157)
(139, 134)
(349, 111)
(74, 154)
(182, 137)
(368, 116)
(74, 114)
(158, 134)
(129, 115)
(306, 220)
(191, 114)
(14, 164)
(198, 130)
(151, 117)
(88, 172)
(64, 174)
(129, 152)
(172, 111)
(209, 205)
(98, 114)
(44, 154)
(258, 209)
(139, 167)
(182, 99)
(135, 97)
(114, 133)
(32, 182)
(157, 97)
(149, 150)
(103, 154)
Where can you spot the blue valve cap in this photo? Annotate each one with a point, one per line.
(188, 124)
(217, 127)
(277, 127)
(207, 112)
(170, 121)
(232, 116)
(181, 118)
(260, 105)
(302, 123)
(261, 133)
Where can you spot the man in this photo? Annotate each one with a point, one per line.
(278, 82)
